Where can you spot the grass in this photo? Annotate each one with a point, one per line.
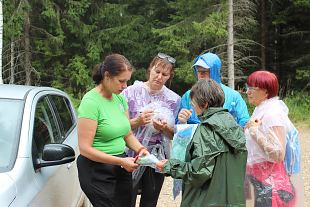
(299, 106)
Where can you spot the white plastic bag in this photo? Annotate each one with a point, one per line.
(182, 137)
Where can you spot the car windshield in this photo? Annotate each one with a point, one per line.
(10, 119)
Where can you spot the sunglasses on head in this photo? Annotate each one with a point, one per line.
(166, 57)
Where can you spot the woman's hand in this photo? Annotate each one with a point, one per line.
(145, 117)
(184, 115)
(159, 125)
(162, 126)
(160, 165)
(128, 163)
(252, 126)
(143, 152)
(253, 123)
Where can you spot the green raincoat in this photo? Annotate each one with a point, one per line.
(214, 168)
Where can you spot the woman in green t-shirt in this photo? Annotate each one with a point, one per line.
(103, 133)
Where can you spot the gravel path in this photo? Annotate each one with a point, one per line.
(166, 199)
(304, 133)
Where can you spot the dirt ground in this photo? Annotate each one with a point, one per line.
(304, 132)
(166, 198)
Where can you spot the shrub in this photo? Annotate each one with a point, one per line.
(299, 106)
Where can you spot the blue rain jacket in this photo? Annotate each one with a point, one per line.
(234, 102)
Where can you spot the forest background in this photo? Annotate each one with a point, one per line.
(56, 43)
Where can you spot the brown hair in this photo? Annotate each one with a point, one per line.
(207, 91)
(114, 64)
(159, 62)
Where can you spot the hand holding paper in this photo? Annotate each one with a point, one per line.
(147, 160)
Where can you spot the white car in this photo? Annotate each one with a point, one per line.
(38, 146)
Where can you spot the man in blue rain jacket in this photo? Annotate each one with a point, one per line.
(208, 66)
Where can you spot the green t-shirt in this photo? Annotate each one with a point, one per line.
(113, 124)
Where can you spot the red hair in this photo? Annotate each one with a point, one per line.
(265, 80)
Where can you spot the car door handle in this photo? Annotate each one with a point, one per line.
(69, 165)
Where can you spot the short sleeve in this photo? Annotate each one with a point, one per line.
(88, 109)
(273, 119)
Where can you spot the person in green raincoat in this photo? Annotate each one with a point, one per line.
(215, 162)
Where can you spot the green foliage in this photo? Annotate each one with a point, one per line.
(213, 26)
(78, 75)
(302, 3)
(292, 42)
(13, 13)
(76, 101)
(183, 78)
(69, 37)
(139, 74)
(303, 77)
(299, 106)
(74, 79)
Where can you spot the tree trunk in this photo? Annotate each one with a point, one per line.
(12, 78)
(1, 41)
(230, 46)
(263, 34)
(27, 49)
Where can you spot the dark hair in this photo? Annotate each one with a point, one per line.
(164, 63)
(207, 91)
(265, 80)
(114, 64)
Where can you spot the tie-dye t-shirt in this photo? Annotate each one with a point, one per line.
(138, 96)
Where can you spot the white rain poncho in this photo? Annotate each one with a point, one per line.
(159, 150)
(273, 166)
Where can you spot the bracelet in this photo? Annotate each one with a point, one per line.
(140, 149)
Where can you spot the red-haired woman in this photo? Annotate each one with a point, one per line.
(270, 145)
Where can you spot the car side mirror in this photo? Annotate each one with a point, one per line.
(55, 154)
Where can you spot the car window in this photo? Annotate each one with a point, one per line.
(45, 130)
(64, 114)
(10, 122)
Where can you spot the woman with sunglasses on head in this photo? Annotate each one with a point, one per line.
(273, 147)
(152, 109)
(103, 132)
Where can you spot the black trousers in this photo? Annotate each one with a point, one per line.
(105, 185)
(150, 185)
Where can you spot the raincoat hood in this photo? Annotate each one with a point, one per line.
(227, 130)
(214, 63)
(274, 104)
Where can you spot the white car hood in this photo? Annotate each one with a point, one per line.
(7, 190)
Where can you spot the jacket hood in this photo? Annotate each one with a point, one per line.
(274, 104)
(214, 63)
(224, 125)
